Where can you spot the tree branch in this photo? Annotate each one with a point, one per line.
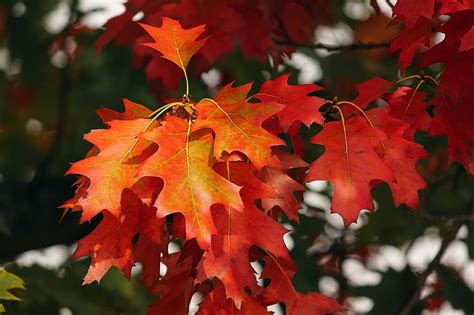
(355, 46)
(422, 277)
(446, 216)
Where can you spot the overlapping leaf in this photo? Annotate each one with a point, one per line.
(111, 243)
(217, 302)
(401, 155)
(237, 125)
(184, 162)
(114, 168)
(408, 105)
(455, 120)
(280, 289)
(351, 164)
(298, 106)
(228, 258)
(370, 90)
(411, 11)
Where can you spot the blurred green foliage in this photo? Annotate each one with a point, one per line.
(8, 282)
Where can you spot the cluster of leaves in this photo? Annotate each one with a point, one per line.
(215, 176)
(209, 173)
(452, 106)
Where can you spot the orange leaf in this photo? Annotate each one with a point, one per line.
(191, 186)
(114, 168)
(175, 43)
(110, 244)
(237, 125)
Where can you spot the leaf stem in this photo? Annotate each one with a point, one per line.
(162, 109)
(366, 117)
(418, 86)
(187, 82)
(346, 143)
(359, 109)
(411, 77)
(435, 82)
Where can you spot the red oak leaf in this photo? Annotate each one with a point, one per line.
(149, 254)
(456, 53)
(244, 174)
(228, 258)
(351, 164)
(216, 302)
(256, 34)
(298, 106)
(289, 160)
(409, 40)
(298, 22)
(280, 272)
(192, 187)
(367, 92)
(82, 184)
(114, 168)
(132, 111)
(151, 244)
(237, 125)
(175, 43)
(458, 71)
(401, 155)
(455, 120)
(221, 21)
(176, 288)
(285, 187)
(110, 244)
(409, 106)
(411, 11)
(370, 90)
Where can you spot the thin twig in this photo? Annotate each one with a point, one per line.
(446, 216)
(355, 46)
(422, 277)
